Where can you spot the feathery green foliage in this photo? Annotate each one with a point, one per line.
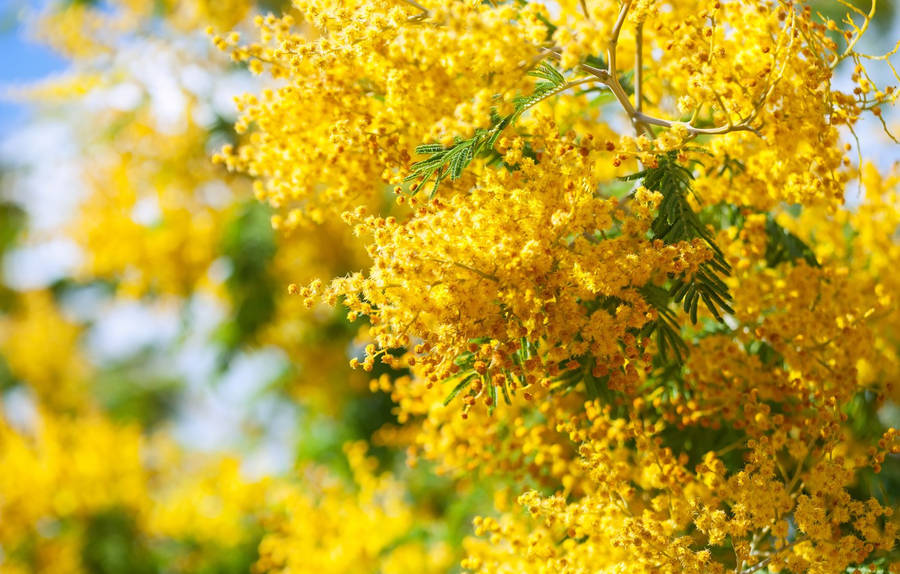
(785, 247)
(665, 328)
(677, 221)
(444, 162)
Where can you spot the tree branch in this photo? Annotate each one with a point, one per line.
(741, 127)
(762, 564)
(612, 72)
(639, 67)
(614, 37)
(424, 12)
(643, 121)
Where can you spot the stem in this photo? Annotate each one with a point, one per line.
(639, 67)
(639, 119)
(424, 12)
(563, 88)
(730, 447)
(765, 562)
(614, 37)
(601, 75)
(478, 272)
(742, 127)
(867, 18)
(612, 72)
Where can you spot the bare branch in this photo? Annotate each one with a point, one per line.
(640, 120)
(762, 564)
(614, 38)
(741, 127)
(639, 67)
(423, 14)
(860, 30)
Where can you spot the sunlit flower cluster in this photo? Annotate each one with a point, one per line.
(560, 287)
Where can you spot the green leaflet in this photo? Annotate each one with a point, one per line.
(676, 221)
(785, 247)
(467, 380)
(451, 161)
(665, 328)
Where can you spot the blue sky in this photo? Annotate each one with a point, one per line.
(21, 59)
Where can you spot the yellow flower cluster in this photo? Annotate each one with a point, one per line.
(652, 512)
(155, 194)
(25, 335)
(326, 527)
(315, 339)
(531, 273)
(531, 243)
(63, 473)
(75, 482)
(212, 504)
(85, 30)
(596, 253)
(364, 86)
(57, 475)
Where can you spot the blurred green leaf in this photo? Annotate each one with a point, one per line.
(113, 545)
(249, 244)
(134, 394)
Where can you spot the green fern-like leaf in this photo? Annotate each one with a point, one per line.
(665, 328)
(785, 247)
(443, 162)
(677, 221)
(547, 72)
(461, 386)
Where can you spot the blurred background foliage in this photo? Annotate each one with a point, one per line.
(145, 289)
